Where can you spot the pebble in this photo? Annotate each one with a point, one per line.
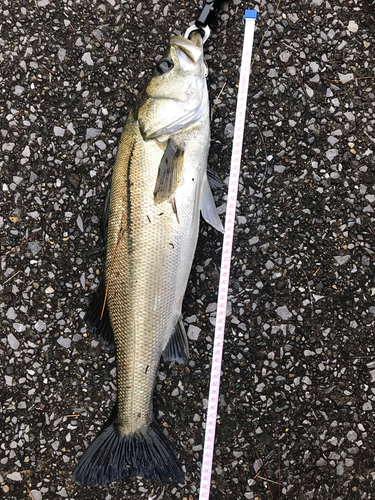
(284, 312)
(11, 314)
(80, 223)
(19, 89)
(34, 247)
(350, 116)
(101, 145)
(40, 326)
(307, 353)
(279, 168)
(92, 132)
(193, 318)
(346, 78)
(55, 445)
(229, 130)
(61, 54)
(331, 154)
(19, 327)
(309, 91)
(211, 307)
(87, 59)
(14, 476)
(13, 342)
(59, 131)
(351, 436)
(17, 179)
(64, 342)
(342, 259)
(353, 27)
(62, 493)
(340, 469)
(332, 140)
(35, 215)
(193, 332)
(285, 56)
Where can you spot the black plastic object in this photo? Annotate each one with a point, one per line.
(201, 22)
(209, 7)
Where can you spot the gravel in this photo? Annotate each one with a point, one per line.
(298, 373)
(13, 342)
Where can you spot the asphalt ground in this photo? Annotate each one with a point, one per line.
(298, 378)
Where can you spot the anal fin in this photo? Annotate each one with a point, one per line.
(178, 347)
(100, 328)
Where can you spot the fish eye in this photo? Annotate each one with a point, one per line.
(165, 66)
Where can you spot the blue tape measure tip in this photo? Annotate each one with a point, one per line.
(251, 14)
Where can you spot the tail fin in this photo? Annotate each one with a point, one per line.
(114, 455)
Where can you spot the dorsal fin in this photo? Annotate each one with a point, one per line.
(99, 326)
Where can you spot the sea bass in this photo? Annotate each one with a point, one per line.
(159, 187)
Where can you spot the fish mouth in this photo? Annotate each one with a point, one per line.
(192, 50)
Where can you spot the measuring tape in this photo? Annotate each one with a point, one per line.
(217, 355)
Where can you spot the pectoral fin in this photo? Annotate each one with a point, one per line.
(208, 207)
(170, 171)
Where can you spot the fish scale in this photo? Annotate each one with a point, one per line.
(150, 259)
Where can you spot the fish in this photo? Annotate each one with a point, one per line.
(159, 187)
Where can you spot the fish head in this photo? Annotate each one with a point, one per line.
(176, 96)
